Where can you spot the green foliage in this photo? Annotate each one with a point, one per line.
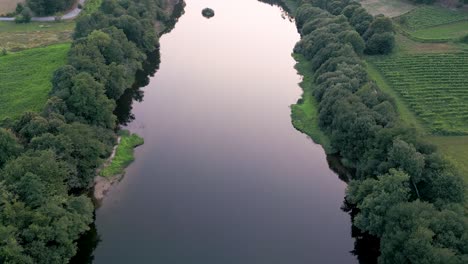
(9, 146)
(433, 86)
(24, 16)
(304, 113)
(50, 155)
(49, 7)
(375, 197)
(19, 94)
(418, 233)
(123, 155)
(393, 165)
(90, 7)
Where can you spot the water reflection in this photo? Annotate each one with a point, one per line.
(223, 176)
(125, 103)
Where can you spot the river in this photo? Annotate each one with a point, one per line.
(223, 177)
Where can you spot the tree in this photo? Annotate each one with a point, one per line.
(375, 197)
(380, 44)
(9, 146)
(48, 7)
(405, 157)
(24, 16)
(34, 176)
(88, 101)
(413, 235)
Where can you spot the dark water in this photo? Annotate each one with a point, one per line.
(223, 177)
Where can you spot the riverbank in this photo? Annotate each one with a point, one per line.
(114, 169)
(388, 155)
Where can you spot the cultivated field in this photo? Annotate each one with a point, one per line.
(430, 16)
(390, 8)
(434, 23)
(434, 86)
(35, 34)
(25, 78)
(7, 6)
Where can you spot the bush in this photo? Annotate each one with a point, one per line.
(25, 16)
(464, 39)
(19, 8)
(382, 43)
(43, 8)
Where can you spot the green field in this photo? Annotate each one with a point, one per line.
(16, 37)
(390, 8)
(430, 16)
(25, 78)
(304, 114)
(434, 23)
(434, 86)
(123, 155)
(405, 113)
(443, 32)
(455, 149)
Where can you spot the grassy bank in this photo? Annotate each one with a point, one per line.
(304, 114)
(25, 78)
(123, 155)
(455, 149)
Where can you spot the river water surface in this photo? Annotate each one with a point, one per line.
(223, 177)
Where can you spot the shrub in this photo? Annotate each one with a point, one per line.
(464, 39)
(25, 16)
(381, 43)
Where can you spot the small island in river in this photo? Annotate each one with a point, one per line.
(208, 12)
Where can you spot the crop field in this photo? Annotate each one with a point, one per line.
(434, 23)
(390, 8)
(7, 6)
(434, 86)
(25, 78)
(447, 31)
(430, 16)
(16, 37)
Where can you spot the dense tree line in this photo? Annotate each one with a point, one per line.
(377, 32)
(405, 192)
(48, 159)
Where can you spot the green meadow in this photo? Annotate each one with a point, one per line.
(26, 78)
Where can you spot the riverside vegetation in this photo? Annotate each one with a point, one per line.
(48, 159)
(404, 192)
